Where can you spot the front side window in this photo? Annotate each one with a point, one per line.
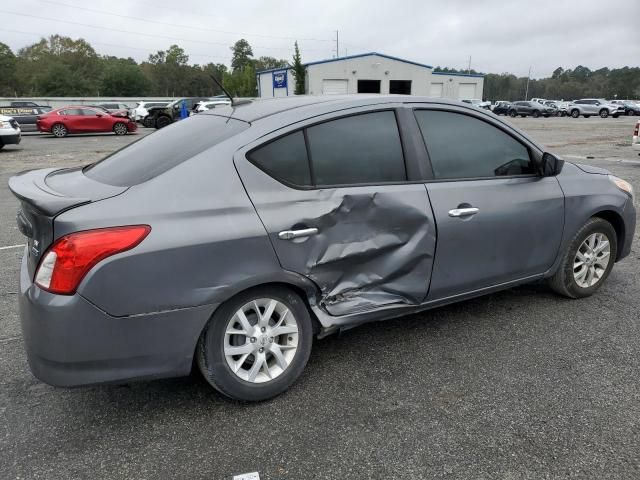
(461, 146)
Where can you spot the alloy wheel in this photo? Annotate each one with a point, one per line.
(120, 129)
(59, 130)
(261, 340)
(591, 260)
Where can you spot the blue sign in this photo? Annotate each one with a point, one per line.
(279, 79)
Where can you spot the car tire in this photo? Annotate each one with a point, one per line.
(604, 113)
(219, 367)
(148, 121)
(1, 146)
(513, 114)
(575, 113)
(59, 130)
(536, 114)
(566, 281)
(120, 129)
(162, 121)
(630, 113)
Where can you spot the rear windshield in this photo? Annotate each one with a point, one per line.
(156, 153)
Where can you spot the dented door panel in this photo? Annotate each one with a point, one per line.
(374, 245)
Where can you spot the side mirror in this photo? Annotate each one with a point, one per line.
(550, 165)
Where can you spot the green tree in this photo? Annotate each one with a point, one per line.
(268, 63)
(7, 71)
(124, 77)
(242, 55)
(299, 71)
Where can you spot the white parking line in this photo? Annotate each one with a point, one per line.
(12, 246)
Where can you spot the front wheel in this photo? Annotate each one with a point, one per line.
(588, 260)
(536, 114)
(575, 113)
(148, 121)
(513, 114)
(120, 129)
(257, 344)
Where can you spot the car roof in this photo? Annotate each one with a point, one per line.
(253, 110)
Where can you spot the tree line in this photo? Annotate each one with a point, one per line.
(569, 84)
(62, 66)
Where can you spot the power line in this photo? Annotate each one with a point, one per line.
(127, 47)
(99, 27)
(190, 27)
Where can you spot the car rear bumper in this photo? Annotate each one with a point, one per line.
(70, 342)
(11, 139)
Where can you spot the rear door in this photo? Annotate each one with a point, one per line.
(342, 205)
(73, 119)
(498, 221)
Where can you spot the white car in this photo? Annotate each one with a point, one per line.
(140, 111)
(210, 104)
(10, 133)
(635, 140)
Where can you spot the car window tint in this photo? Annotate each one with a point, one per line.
(156, 153)
(461, 146)
(357, 149)
(285, 159)
(87, 112)
(72, 111)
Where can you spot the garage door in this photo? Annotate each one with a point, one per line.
(467, 91)
(436, 90)
(334, 87)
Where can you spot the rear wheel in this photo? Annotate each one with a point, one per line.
(148, 121)
(513, 114)
(257, 344)
(536, 114)
(629, 113)
(604, 113)
(588, 260)
(120, 129)
(59, 130)
(575, 113)
(162, 121)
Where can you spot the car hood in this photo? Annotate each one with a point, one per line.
(590, 169)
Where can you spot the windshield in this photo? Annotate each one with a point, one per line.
(156, 153)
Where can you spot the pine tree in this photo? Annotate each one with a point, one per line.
(298, 71)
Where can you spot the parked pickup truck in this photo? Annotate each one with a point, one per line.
(25, 113)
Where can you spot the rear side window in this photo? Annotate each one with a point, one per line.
(285, 159)
(461, 146)
(164, 149)
(358, 149)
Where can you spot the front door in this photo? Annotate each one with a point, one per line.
(338, 207)
(498, 221)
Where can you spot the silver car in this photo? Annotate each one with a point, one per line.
(233, 238)
(594, 106)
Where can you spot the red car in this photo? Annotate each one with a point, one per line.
(83, 119)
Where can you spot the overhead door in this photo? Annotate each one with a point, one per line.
(334, 87)
(436, 90)
(467, 91)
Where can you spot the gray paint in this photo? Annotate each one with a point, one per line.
(215, 220)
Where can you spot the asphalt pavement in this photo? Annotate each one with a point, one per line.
(522, 384)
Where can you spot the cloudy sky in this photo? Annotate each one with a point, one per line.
(499, 35)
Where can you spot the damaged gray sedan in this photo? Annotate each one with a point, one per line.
(232, 239)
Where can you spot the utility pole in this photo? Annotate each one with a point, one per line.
(526, 92)
(469, 68)
(337, 45)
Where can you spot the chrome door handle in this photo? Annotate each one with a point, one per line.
(463, 212)
(291, 234)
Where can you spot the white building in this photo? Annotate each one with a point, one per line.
(371, 73)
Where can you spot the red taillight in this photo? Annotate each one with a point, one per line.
(69, 259)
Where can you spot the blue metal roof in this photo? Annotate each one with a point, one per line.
(339, 59)
(459, 74)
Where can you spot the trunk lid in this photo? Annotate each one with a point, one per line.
(44, 194)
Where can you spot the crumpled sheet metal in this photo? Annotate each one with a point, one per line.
(372, 249)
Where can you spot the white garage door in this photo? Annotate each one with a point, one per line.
(334, 87)
(436, 90)
(467, 91)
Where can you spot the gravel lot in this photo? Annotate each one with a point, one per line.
(519, 384)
